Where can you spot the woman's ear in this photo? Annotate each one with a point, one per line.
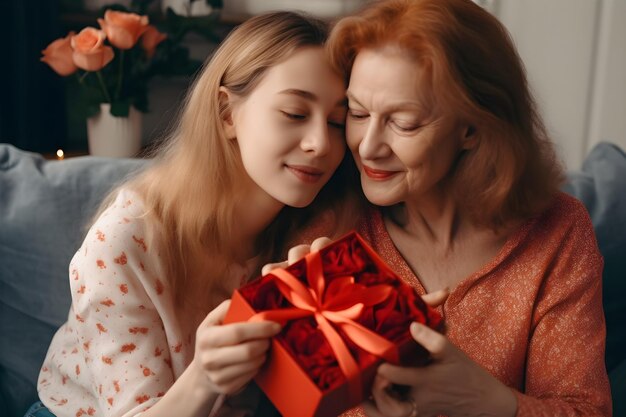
(225, 98)
(470, 138)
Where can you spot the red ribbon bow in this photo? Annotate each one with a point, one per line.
(340, 304)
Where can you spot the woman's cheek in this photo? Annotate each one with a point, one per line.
(353, 136)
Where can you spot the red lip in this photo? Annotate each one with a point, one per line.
(306, 173)
(378, 174)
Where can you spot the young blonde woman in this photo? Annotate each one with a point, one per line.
(260, 136)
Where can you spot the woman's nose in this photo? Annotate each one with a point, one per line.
(316, 139)
(372, 142)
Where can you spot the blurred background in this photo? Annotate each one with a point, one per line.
(574, 52)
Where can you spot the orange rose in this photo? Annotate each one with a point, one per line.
(150, 39)
(123, 29)
(90, 53)
(59, 56)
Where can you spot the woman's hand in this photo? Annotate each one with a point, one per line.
(296, 253)
(433, 299)
(452, 384)
(230, 355)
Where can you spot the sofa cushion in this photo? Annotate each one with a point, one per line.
(45, 207)
(601, 186)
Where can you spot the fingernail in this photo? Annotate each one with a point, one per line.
(415, 328)
(276, 327)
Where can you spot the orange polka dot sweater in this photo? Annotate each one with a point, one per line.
(533, 315)
(122, 347)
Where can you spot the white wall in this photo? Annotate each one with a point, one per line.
(575, 55)
(608, 105)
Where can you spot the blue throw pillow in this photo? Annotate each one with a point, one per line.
(44, 210)
(601, 186)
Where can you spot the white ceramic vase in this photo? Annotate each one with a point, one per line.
(117, 137)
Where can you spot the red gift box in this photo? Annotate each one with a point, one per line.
(343, 312)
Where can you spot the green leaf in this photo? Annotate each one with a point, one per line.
(92, 95)
(120, 108)
(216, 4)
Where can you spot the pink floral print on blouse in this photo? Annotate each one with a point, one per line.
(121, 348)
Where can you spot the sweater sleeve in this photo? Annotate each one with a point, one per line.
(125, 358)
(565, 371)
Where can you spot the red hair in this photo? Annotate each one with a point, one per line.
(512, 172)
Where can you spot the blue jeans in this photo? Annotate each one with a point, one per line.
(38, 410)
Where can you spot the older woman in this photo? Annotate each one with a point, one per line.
(450, 147)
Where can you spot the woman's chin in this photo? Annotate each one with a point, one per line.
(379, 198)
(298, 201)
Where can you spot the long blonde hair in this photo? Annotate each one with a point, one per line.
(193, 184)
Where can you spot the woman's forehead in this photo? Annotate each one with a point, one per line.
(389, 74)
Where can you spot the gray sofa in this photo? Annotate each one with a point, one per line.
(45, 206)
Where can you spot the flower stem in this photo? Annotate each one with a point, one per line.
(119, 76)
(79, 77)
(104, 87)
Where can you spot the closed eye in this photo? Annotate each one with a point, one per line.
(294, 116)
(357, 115)
(405, 127)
